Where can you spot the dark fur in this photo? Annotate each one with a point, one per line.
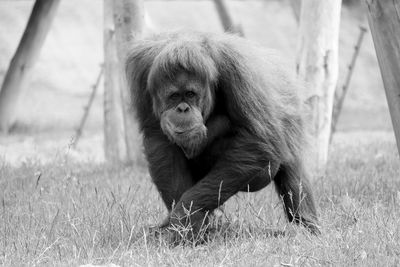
(253, 116)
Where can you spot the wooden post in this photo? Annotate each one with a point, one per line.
(35, 33)
(340, 93)
(226, 19)
(129, 24)
(114, 131)
(296, 8)
(384, 22)
(79, 130)
(317, 63)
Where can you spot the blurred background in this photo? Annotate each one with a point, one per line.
(53, 104)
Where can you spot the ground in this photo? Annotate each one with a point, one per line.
(63, 206)
(68, 213)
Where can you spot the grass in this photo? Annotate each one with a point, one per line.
(68, 213)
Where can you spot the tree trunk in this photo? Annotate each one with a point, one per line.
(35, 33)
(384, 21)
(129, 25)
(114, 131)
(226, 19)
(79, 130)
(296, 8)
(317, 63)
(340, 93)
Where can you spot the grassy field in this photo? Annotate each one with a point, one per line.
(68, 213)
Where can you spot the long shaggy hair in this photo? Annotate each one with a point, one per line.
(258, 95)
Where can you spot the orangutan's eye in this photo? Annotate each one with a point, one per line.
(174, 96)
(190, 94)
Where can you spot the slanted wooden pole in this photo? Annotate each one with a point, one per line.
(129, 21)
(317, 63)
(340, 93)
(226, 19)
(17, 75)
(95, 86)
(296, 8)
(384, 22)
(115, 148)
